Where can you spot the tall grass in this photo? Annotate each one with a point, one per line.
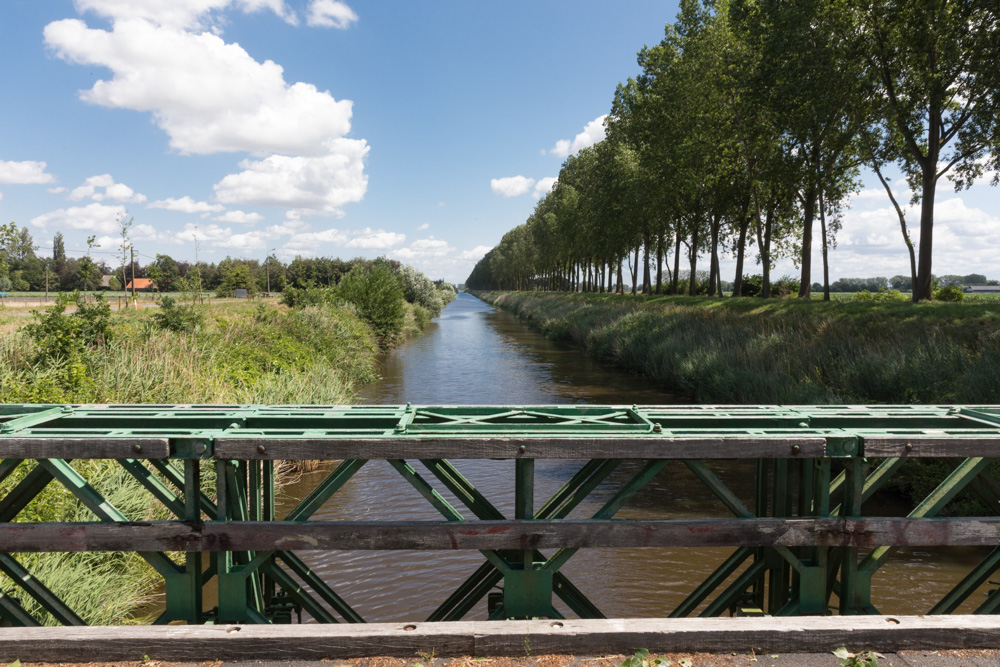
(783, 351)
(241, 353)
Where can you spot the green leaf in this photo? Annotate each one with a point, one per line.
(16, 663)
(843, 653)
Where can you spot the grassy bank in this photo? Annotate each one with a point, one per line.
(224, 353)
(782, 350)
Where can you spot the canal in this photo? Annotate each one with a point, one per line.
(474, 354)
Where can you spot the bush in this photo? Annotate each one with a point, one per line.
(752, 285)
(784, 286)
(310, 295)
(176, 317)
(377, 293)
(420, 291)
(881, 295)
(60, 337)
(949, 293)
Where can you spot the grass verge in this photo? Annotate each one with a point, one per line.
(756, 351)
(237, 353)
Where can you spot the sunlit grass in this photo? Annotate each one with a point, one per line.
(783, 350)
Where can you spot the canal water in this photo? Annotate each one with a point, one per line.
(474, 354)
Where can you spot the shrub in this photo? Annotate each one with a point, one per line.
(377, 294)
(310, 295)
(420, 291)
(59, 336)
(176, 317)
(882, 295)
(783, 286)
(949, 293)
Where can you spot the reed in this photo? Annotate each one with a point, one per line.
(241, 353)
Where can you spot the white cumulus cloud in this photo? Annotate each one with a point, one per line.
(95, 217)
(28, 172)
(186, 204)
(240, 217)
(476, 253)
(331, 14)
(179, 14)
(104, 188)
(544, 186)
(424, 248)
(511, 186)
(424, 226)
(207, 95)
(592, 133)
(376, 240)
(318, 184)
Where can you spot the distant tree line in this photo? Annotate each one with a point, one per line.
(747, 129)
(22, 269)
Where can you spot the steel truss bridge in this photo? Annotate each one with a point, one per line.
(807, 543)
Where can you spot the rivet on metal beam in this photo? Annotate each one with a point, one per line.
(522, 449)
(909, 447)
(657, 428)
(136, 448)
(796, 449)
(261, 449)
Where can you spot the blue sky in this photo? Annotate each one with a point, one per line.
(418, 130)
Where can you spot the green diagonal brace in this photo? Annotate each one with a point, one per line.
(37, 590)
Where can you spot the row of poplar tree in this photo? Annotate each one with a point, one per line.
(748, 128)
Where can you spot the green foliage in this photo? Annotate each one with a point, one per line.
(377, 293)
(641, 659)
(419, 290)
(862, 659)
(176, 317)
(783, 351)
(882, 295)
(310, 295)
(949, 293)
(784, 286)
(59, 336)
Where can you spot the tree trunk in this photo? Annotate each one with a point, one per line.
(674, 287)
(713, 273)
(740, 251)
(826, 246)
(808, 213)
(634, 270)
(693, 257)
(764, 240)
(621, 287)
(647, 287)
(659, 263)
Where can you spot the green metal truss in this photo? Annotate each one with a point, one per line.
(804, 544)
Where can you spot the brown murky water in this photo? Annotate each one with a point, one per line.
(475, 354)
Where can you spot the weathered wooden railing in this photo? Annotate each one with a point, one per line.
(808, 542)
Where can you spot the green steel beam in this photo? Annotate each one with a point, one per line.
(795, 449)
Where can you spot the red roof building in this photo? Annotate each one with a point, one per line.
(141, 285)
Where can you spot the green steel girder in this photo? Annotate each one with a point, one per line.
(810, 463)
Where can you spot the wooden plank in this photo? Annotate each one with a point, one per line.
(540, 447)
(83, 448)
(931, 447)
(197, 643)
(496, 535)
